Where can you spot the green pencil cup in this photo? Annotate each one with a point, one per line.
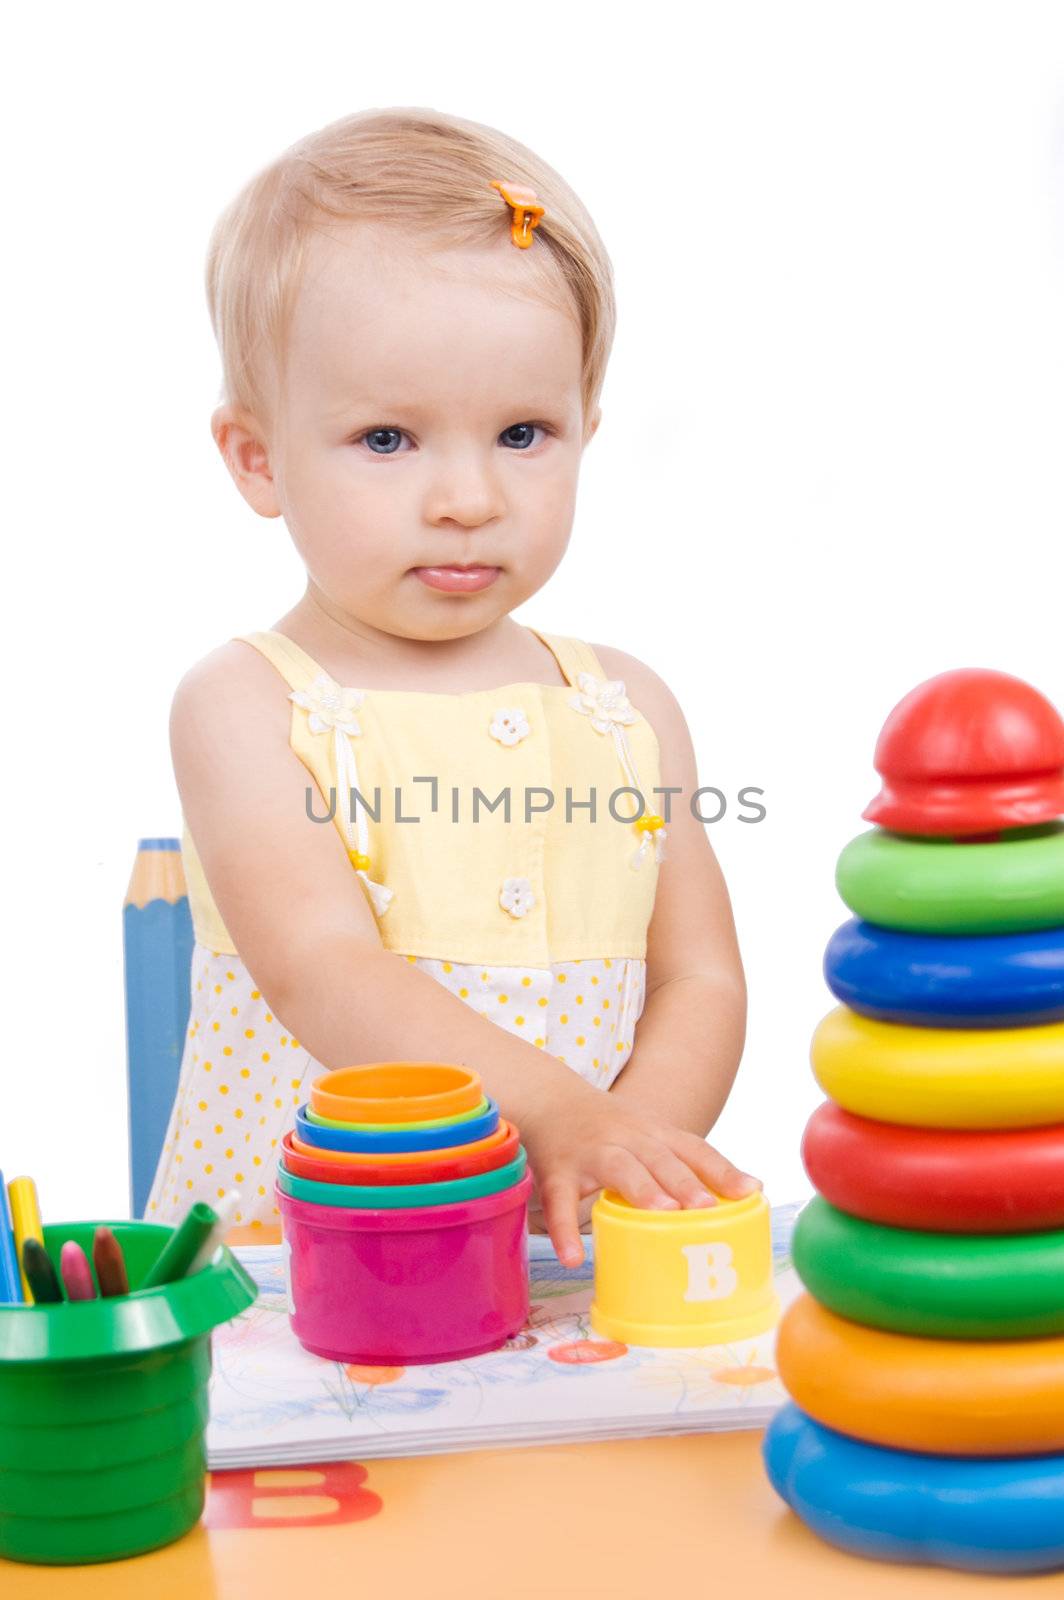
(103, 1407)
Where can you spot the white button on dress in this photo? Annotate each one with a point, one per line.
(516, 896)
(509, 725)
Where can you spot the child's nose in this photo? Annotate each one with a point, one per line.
(464, 491)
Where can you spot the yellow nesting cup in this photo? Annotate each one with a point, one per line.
(702, 1276)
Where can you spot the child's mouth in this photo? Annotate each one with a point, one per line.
(456, 579)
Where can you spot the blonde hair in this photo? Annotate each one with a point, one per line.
(402, 165)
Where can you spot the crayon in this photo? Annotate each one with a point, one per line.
(44, 1284)
(26, 1217)
(182, 1246)
(10, 1278)
(24, 1220)
(77, 1274)
(225, 1211)
(110, 1263)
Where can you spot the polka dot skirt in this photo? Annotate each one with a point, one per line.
(243, 1074)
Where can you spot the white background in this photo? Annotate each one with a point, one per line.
(829, 464)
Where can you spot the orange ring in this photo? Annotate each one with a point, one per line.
(396, 1091)
(416, 1158)
(948, 1397)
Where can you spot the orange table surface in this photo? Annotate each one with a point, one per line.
(636, 1519)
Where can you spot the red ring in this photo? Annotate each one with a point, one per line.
(499, 1155)
(942, 1180)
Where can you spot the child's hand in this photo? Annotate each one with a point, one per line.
(537, 1222)
(585, 1142)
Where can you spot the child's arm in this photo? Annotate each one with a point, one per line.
(298, 915)
(689, 1038)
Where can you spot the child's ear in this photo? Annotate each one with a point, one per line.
(243, 448)
(592, 427)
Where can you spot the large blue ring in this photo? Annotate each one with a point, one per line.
(977, 1513)
(374, 1143)
(1005, 980)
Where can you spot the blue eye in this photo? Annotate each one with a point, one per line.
(383, 441)
(520, 436)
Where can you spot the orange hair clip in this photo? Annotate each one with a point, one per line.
(526, 211)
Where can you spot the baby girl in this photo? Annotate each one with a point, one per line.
(416, 829)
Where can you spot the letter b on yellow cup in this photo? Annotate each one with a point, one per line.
(682, 1277)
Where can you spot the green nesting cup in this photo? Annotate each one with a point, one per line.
(103, 1407)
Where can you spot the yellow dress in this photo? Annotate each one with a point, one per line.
(507, 842)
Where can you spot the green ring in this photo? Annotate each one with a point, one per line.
(402, 1196)
(1014, 885)
(399, 1127)
(934, 1285)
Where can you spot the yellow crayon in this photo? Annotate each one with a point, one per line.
(26, 1220)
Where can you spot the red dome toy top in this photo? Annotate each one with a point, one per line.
(969, 752)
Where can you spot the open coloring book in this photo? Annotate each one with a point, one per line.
(273, 1404)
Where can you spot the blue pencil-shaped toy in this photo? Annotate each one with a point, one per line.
(10, 1278)
(158, 961)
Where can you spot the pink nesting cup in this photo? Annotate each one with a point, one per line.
(407, 1287)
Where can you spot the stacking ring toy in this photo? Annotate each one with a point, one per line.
(396, 1091)
(936, 1285)
(432, 1171)
(406, 1160)
(937, 1178)
(931, 886)
(981, 1516)
(941, 1077)
(967, 752)
(326, 1138)
(402, 1196)
(456, 1121)
(995, 981)
(951, 1397)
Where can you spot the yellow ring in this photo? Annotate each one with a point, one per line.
(1001, 1397)
(941, 1077)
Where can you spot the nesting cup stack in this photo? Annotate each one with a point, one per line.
(404, 1212)
(926, 1362)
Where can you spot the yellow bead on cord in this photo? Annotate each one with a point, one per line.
(359, 861)
(651, 844)
(649, 824)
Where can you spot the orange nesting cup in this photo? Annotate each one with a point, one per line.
(405, 1158)
(396, 1091)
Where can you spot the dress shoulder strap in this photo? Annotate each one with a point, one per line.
(295, 666)
(572, 655)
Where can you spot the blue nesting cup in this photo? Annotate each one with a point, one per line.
(455, 1133)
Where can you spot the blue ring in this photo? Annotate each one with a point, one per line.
(1005, 980)
(976, 1513)
(371, 1143)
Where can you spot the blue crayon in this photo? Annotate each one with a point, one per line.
(10, 1277)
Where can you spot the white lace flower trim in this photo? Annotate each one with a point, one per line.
(516, 896)
(329, 706)
(603, 700)
(509, 725)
